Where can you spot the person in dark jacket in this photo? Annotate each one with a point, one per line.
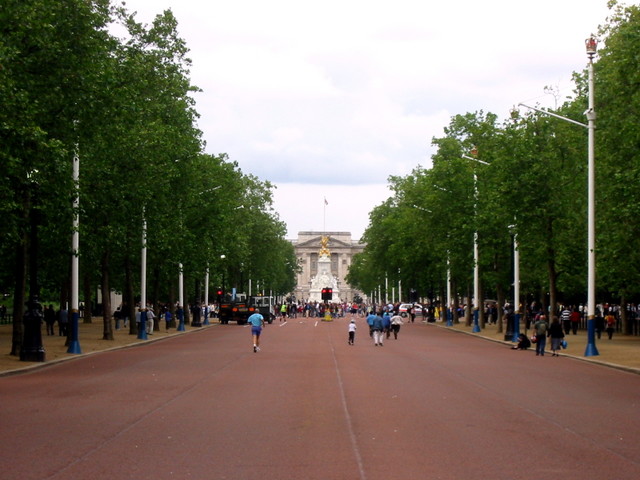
(523, 343)
(556, 333)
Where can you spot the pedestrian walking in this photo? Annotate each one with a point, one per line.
(610, 320)
(50, 319)
(396, 323)
(370, 318)
(386, 324)
(556, 333)
(540, 329)
(352, 331)
(599, 323)
(150, 321)
(575, 320)
(63, 322)
(566, 320)
(167, 318)
(378, 331)
(257, 322)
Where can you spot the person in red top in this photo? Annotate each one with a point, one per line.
(575, 320)
(610, 320)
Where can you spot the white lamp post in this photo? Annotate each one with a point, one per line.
(142, 329)
(74, 344)
(476, 269)
(591, 46)
(591, 350)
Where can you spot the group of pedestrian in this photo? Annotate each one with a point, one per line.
(51, 317)
(543, 330)
(382, 324)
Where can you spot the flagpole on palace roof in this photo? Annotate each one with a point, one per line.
(324, 216)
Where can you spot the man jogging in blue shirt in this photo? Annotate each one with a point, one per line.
(257, 322)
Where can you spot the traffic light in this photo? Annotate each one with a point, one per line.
(327, 294)
(219, 293)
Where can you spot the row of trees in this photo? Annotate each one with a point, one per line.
(534, 186)
(123, 102)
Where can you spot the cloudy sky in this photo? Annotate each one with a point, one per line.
(327, 100)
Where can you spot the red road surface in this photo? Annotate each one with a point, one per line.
(433, 404)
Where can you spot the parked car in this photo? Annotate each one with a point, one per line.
(405, 309)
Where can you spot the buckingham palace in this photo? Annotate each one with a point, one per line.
(314, 250)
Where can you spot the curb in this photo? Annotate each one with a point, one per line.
(40, 366)
(635, 371)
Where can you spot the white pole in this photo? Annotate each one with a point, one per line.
(516, 274)
(142, 332)
(206, 288)
(386, 289)
(75, 241)
(180, 285)
(143, 269)
(476, 269)
(591, 349)
(74, 344)
(449, 305)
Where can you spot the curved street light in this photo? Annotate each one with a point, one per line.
(591, 45)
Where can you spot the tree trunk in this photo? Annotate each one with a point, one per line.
(552, 289)
(172, 304)
(106, 299)
(131, 304)
(499, 307)
(187, 308)
(155, 297)
(626, 326)
(454, 307)
(553, 274)
(468, 310)
(20, 274)
(480, 302)
(88, 303)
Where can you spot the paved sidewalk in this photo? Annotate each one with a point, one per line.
(621, 352)
(89, 337)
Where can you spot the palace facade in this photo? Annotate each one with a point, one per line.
(342, 249)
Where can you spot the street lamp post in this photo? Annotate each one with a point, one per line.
(591, 46)
(591, 350)
(516, 287)
(206, 297)
(74, 343)
(180, 311)
(142, 329)
(476, 269)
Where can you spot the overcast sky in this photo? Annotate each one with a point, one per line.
(327, 100)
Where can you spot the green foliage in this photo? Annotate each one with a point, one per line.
(535, 186)
(126, 107)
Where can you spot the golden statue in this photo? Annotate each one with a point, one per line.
(324, 244)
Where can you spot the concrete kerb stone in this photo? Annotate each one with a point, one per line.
(56, 361)
(593, 360)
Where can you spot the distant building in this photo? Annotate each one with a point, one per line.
(342, 249)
